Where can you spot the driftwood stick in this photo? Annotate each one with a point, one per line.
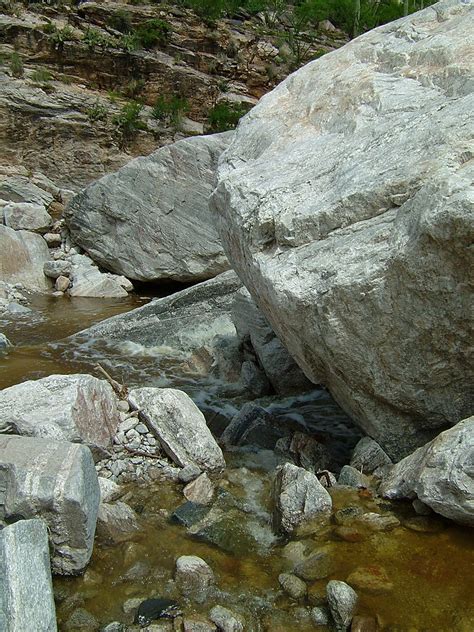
(141, 453)
(120, 389)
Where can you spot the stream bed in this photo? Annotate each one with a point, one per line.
(416, 577)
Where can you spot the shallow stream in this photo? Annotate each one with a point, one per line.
(425, 565)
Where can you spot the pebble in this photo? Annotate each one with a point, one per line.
(292, 585)
(317, 566)
(226, 620)
(378, 522)
(342, 601)
(141, 429)
(320, 616)
(194, 577)
(123, 406)
(371, 579)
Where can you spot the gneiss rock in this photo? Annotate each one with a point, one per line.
(55, 269)
(299, 497)
(253, 425)
(56, 481)
(342, 600)
(200, 491)
(292, 585)
(317, 566)
(353, 478)
(440, 474)
(77, 408)
(368, 456)
(338, 216)
(26, 591)
(116, 522)
(179, 425)
(226, 620)
(150, 220)
(194, 578)
(22, 256)
(27, 216)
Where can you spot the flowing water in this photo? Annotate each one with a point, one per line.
(427, 564)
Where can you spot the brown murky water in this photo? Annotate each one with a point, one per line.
(431, 573)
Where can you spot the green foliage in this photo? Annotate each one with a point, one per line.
(58, 36)
(121, 21)
(128, 42)
(41, 75)
(16, 65)
(225, 116)
(128, 121)
(97, 112)
(133, 88)
(153, 32)
(170, 109)
(93, 38)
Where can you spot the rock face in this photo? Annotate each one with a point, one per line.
(26, 590)
(299, 497)
(27, 216)
(56, 481)
(347, 218)
(77, 408)
(440, 474)
(179, 425)
(150, 220)
(22, 256)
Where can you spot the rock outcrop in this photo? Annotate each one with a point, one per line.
(440, 474)
(26, 590)
(77, 408)
(150, 220)
(56, 481)
(345, 206)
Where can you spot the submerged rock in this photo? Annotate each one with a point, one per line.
(55, 481)
(194, 578)
(78, 408)
(226, 620)
(116, 522)
(292, 585)
(440, 474)
(368, 456)
(299, 497)
(156, 608)
(338, 207)
(342, 600)
(150, 220)
(26, 590)
(179, 425)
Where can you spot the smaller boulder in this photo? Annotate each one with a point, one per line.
(194, 578)
(116, 522)
(342, 600)
(226, 620)
(292, 585)
(200, 491)
(368, 456)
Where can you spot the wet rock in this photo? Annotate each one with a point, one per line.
(364, 624)
(115, 626)
(327, 478)
(253, 380)
(353, 478)
(371, 579)
(200, 491)
(424, 524)
(317, 566)
(299, 497)
(150, 220)
(281, 370)
(420, 508)
(297, 551)
(317, 594)
(5, 344)
(342, 600)
(194, 578)
(26, 591)
(349, 534)
(62, 407)
(65, 494)
(253, 425)
(226, 620)
(189, 514)
(347, 515)
(156, 608)
(292, 585)
(378, 522)
(198, 625)
(179, 425)
(22, 256)
(109, 490)
(189, 473)
(295, 188)
(27, 216)
(88, 281)
(321, 616)
(81, 620)
(368, 456)
(439, 474)
(308, 453)
(55, 269)
(116, 522)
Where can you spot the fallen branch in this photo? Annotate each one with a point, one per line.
(141, 453)
(120, 389)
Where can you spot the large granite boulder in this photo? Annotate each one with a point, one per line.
(22, 257)
(345, 206)
(179, 425)
(440, 474)
(77, 408)
(26, 590)
(150, 220)
(57, 482)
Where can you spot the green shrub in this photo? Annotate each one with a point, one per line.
(97, 112)
(41, 75)
(170, 109)
(59, 36)
(121, 21)
(225, 116)
(128, 121)
(129, 42)
(153, 32)
(16, 65)
(133, 88)
(94, 38)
